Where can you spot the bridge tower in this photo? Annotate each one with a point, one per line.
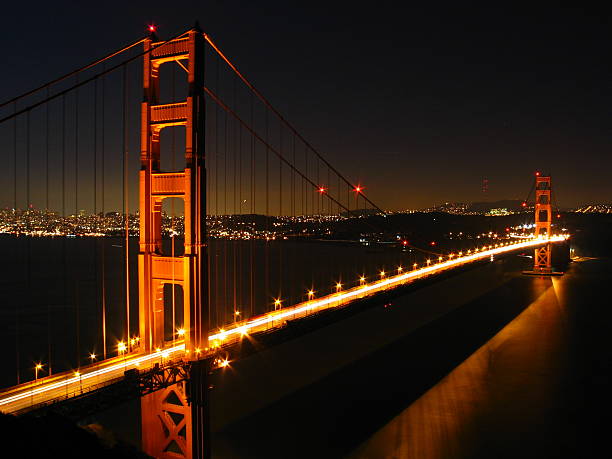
(173, 419)
(543, 219)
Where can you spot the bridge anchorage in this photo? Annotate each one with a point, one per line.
(542, 256)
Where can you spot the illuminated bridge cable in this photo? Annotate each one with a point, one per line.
(221, 104)
(88, 80)
(18, 305)
(102, 197)
(281, 118)
(70, 74)
(126, 214)
(267, 103)
(49, 358)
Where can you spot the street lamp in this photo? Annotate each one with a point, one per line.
(362, 280)
(92, 357)
(122, 348)
(37, 367)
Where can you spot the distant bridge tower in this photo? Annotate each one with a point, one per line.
(543, 219)
(173, 420)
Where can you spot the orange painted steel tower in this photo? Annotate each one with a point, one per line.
(172, 419)
(543, 219)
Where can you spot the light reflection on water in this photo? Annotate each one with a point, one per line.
(510, 384)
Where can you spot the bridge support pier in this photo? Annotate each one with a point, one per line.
(175, 420)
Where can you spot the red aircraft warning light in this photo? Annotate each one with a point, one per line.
(321, 189)
(358, 189)
(432, 243)
(152, 28)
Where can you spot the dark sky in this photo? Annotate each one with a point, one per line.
(419, 104)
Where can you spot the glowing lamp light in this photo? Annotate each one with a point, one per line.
(277, 303)
(432, 243)
(310, 294)
(428, 262)
(121, 347)
(92, 356)
(439, 259)
(180, 332)
(382, 274)
(338, 286)
(524, 204)
(358, 189)
(77, 373)
(414, 266)
(39, 366)
(321, 189)
(362, 279)
(399, 269)
(537, 173)
(152, 28)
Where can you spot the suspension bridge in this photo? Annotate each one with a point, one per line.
(146, 262)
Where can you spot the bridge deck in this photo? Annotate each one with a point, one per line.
(70, 384)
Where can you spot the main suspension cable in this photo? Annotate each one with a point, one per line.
(74, 72)
(282, 119)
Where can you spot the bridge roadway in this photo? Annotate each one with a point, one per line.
(70, 384)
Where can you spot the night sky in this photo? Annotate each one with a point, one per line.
(417, 104)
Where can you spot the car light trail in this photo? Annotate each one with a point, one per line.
(79, 378)
(337, 299)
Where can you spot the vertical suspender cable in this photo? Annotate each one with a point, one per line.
(64, 261)
(234, 194)
(28, 295)
(76, 216)
(95, 187)
(102, 178)
(17, 308)
(225, 155)
(172, 248)
(252, 206)
(280, 212)
(126, 216)
(217, 242)
(267, 245)
(49, 363)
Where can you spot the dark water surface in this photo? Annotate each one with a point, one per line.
(521, 371)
